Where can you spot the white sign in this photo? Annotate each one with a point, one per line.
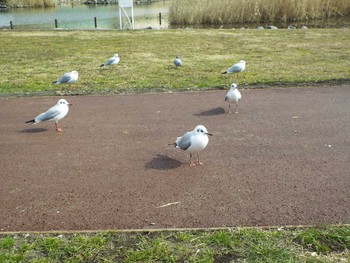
(125, 3)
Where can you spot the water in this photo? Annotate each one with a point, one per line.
(79, 16)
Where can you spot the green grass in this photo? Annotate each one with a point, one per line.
(322, 244)
(30, 61)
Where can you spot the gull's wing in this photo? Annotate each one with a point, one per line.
(184, 142)
(235, 68)
(51, 114)
(177, 62)
(65, 78)
(110, 61)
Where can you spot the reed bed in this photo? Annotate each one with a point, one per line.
(201, 12)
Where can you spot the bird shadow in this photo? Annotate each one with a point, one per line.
(211, 112)
(162, 162)
(33, 130)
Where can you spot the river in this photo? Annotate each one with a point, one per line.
(80, 16)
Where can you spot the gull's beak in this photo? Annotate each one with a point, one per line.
(70, 104)
(209, 134)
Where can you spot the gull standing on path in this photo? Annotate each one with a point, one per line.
(236, 68)
(177, 62)
(55, 113)
(193, 142)
(233, 96)
(68, 77)
(111, 61)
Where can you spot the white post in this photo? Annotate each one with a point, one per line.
(122, 5)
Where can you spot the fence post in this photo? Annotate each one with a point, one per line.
(95, 20)
(160, 18)
(56, 23)
(11, 26)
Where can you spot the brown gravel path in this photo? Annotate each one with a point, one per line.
(283, 160)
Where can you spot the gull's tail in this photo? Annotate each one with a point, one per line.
(173, 144)
(55, 82)
(224, 72)
(102, 65)
(226, 98)
(31, 121)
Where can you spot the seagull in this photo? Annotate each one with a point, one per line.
(68, 77)
(193, 142)
(177, 61)
(236, 68)
(233, 95)
(55, 113)
(111, 61)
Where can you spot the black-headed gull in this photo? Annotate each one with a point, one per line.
(55, 113)
(193, 142)
(233, 96)
(69, 77)
(177, 61)
(111, 61)
(236, 68)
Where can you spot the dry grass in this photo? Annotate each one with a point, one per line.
(194, 12)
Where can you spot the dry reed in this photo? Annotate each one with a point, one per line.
(196, 12)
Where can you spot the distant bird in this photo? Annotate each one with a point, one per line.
(236, 68)
(111, 61)
(193, 142)
(69, 77)
(55, 113)
(233, 96)
(177, 61)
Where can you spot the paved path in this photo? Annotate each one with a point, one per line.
(283, 160)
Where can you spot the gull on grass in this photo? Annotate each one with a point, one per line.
(177, 62)
(236, 68)
(69, 77)
(111, 61)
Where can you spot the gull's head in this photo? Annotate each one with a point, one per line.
(233, 86)
(200, 129)
(63, 102)
(74, 72)
(116, 55)
(242, 62)
(177, 57)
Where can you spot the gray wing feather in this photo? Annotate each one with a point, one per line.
(109, 61)
(177, 62)
(234, 68)
(184, 142)
(49, 115)
(64, 79)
